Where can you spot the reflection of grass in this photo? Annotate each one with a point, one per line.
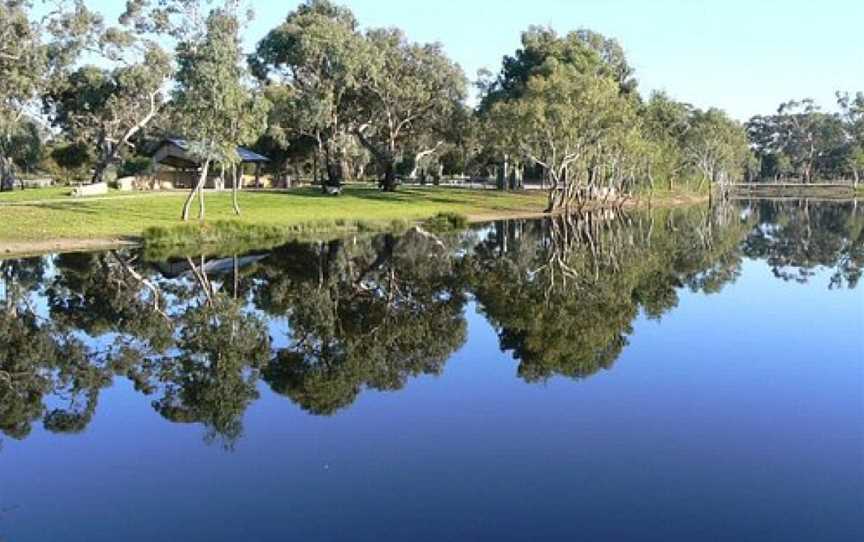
(229, 236)
(52, 215)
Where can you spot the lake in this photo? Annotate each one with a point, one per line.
(681, 374)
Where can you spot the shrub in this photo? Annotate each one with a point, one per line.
(445, 222)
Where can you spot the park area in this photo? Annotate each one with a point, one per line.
(50, 219)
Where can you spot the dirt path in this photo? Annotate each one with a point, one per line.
(33, 248)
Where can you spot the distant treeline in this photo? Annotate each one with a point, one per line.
(331, 102)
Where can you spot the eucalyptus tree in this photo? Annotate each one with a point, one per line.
(588, 52)
(716, 146)
(31, 55)
(313, 61)
(852, 115)
(568, 123)
(212, 105)
(407, 94)
(665, 124)
(802, 139)
(108, 108)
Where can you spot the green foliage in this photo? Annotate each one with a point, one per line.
(105, 109)
(231, 237)
(73, 158)
(446, 222)
(407, 91)
(212, 106)
(572, 125)
(802, 141)
(584, 51)
(33, 53)
(314, 61)
(134, 165)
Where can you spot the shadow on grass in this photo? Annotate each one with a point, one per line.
(65, 207)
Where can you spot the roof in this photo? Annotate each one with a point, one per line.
(246, 155)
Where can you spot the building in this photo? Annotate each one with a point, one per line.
(173, 164)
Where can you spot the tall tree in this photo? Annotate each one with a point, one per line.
(566, 122)
(408, 91)
(108, 108)
(315, 56)
(210, 98)
(31, 55)
(852, 108)
(588, 52)
(716, 146)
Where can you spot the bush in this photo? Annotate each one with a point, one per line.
(446, 222)
(134, 166)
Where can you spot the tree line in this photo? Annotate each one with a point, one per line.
(330, 100)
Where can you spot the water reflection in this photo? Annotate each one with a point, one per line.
(197, 335)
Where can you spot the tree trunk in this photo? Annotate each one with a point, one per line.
(235, 188)
(197, 188)
(335, 176)
(107, 153)
(201, 186)
(7, 174)
(388, 184)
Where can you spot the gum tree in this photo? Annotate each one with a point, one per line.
(108, 108)
(31, 55)
(212, 105)
(312, 62)
(565, 122)
(407, 92)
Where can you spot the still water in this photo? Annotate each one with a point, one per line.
(676, 375)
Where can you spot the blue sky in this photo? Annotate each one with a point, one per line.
(744, 56)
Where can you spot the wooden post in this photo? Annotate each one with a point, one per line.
(257, 174)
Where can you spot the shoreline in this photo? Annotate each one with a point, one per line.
(25, 249)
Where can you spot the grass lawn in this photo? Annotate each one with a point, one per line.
(50, 214)
(35, 194)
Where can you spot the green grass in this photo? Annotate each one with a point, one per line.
(225, 237)
(49, 214)
(57, 192)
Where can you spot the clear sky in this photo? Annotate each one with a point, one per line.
(744, 56)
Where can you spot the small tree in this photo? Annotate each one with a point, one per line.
(212, 105)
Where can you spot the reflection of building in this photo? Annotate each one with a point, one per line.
(215, 267)
(175, 166)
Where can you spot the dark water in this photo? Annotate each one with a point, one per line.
(682, 375)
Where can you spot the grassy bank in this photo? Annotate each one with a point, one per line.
(50, 220)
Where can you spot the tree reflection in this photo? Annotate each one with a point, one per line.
(797, 237)
(37, 359)
(371, 313)
(564, 293)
